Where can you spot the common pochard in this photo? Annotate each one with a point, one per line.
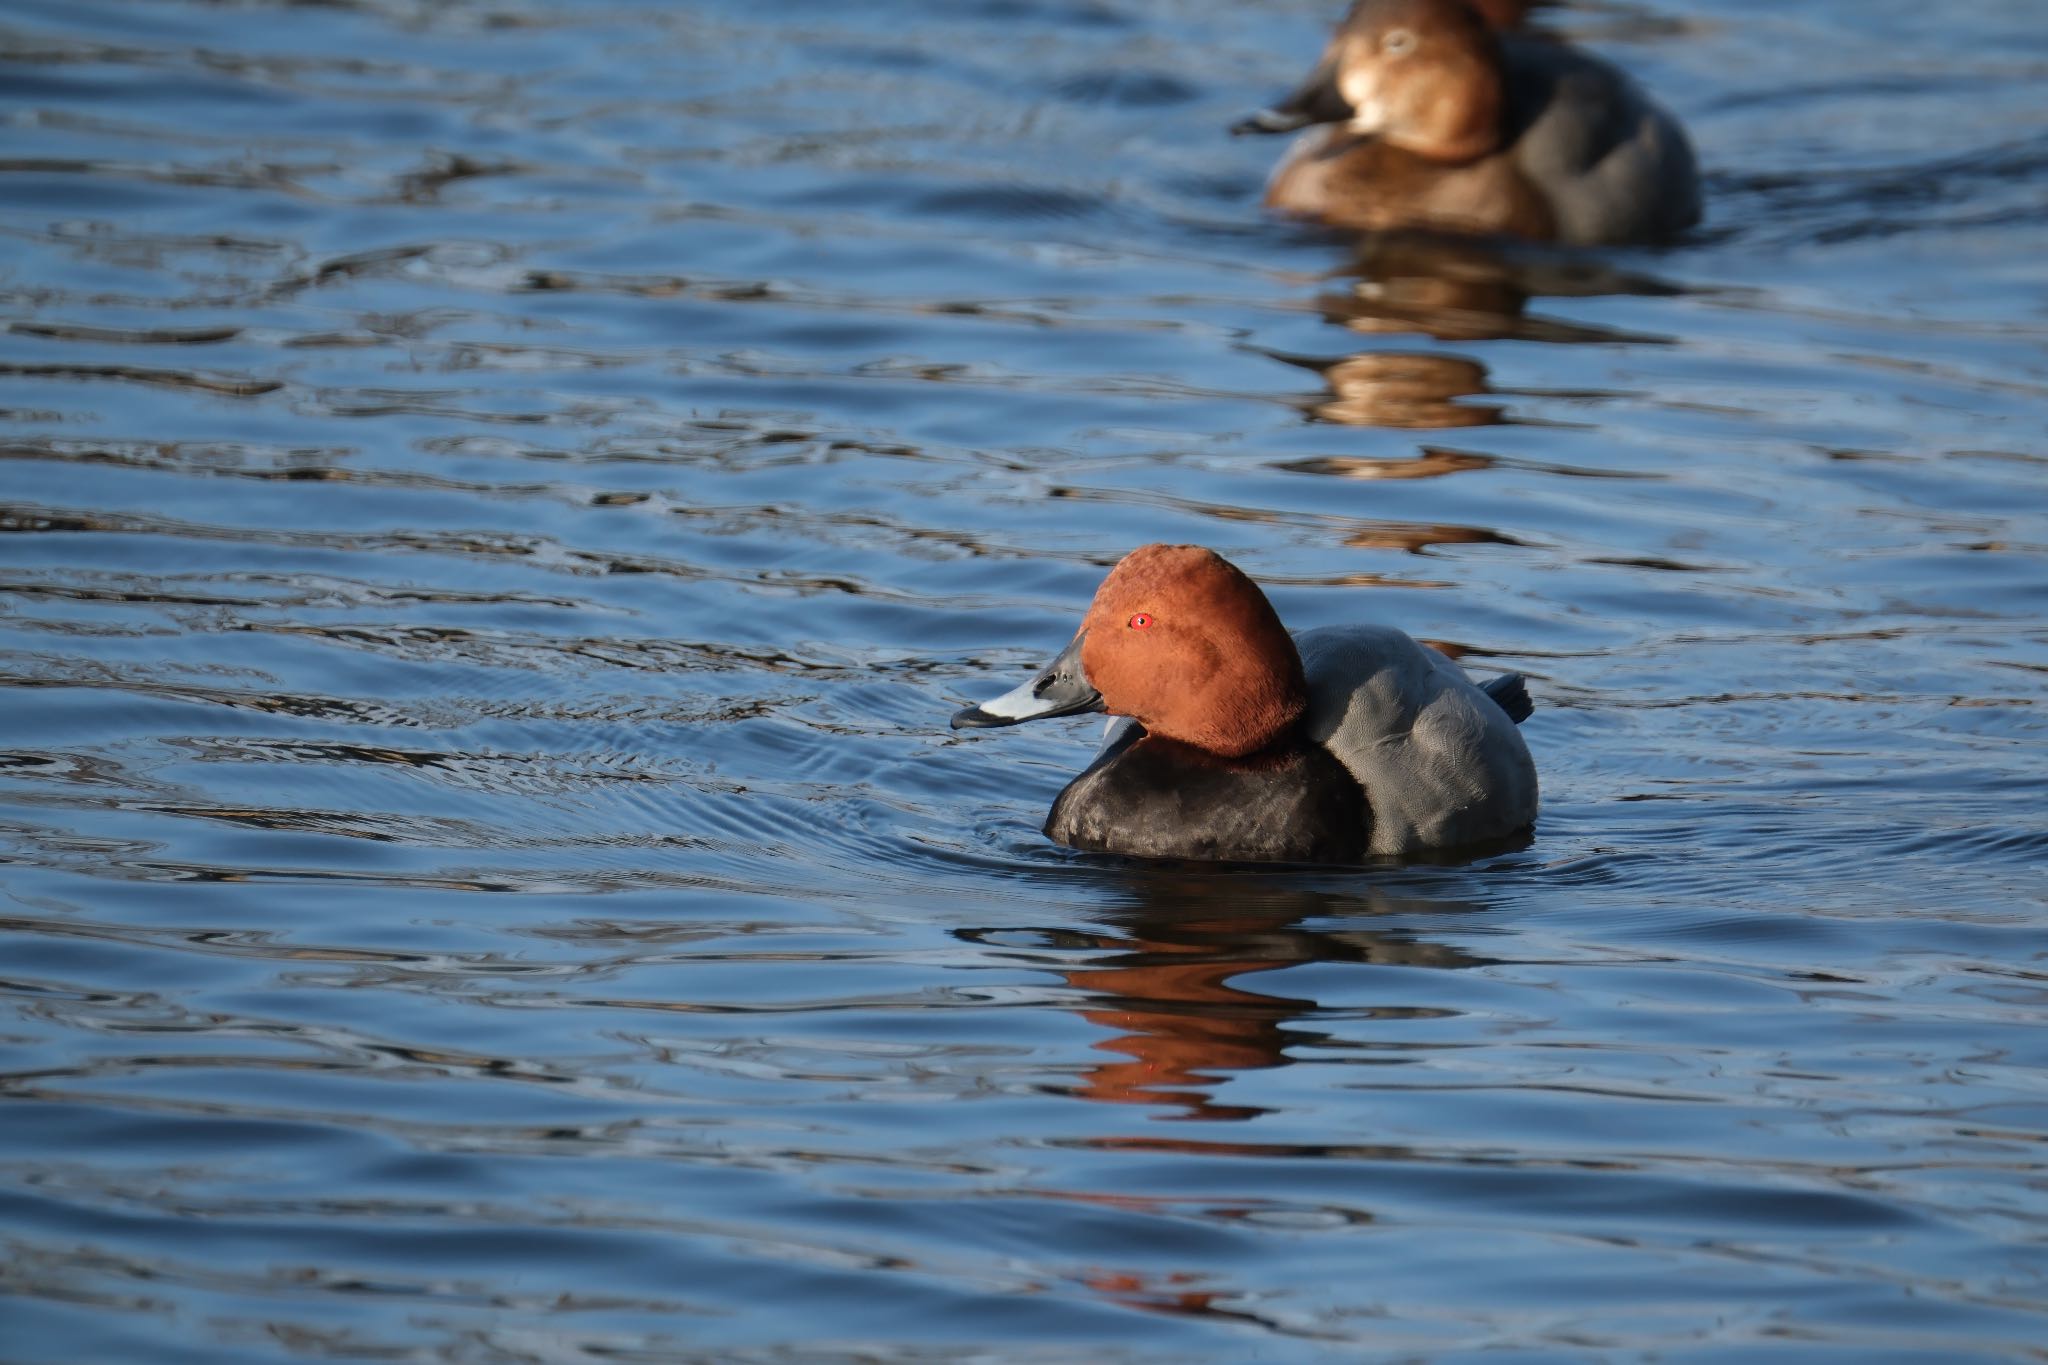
(1337, 745)
(1432, 117)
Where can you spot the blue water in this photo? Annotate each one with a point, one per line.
(503, 498)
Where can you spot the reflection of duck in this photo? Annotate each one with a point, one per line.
(1418, 538)
(1460, 289)
(1168, 988)
(1167, 995)
(1431, 462)
(1336, 745)
(1412, 389)
(1163, 977)
(1432, 119)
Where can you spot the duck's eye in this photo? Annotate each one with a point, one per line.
(1398, 42)
(1141, 620)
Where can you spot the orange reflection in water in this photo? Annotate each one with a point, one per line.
(1182, 1022)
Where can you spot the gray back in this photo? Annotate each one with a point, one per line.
(1441, 763)
(1615, 166)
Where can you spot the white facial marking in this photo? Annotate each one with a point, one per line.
(1361, 90)
(1017, 704)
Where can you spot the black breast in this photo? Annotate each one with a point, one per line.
(1158, 798)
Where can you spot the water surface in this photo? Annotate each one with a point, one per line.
(503, 497)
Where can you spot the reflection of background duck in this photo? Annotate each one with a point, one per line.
(1430, 462)
(1411, 389)
(1167, 985)
(1453, 289)
(1458, 289)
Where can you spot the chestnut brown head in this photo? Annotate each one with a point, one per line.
(1421, 75)
(1180, 640)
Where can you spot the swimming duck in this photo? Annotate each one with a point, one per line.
(1243, 743)
(1431, 117)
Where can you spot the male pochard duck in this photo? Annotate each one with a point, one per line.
(1336, 745)
(1435, 116)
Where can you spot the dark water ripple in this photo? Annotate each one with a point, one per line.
(498, 500)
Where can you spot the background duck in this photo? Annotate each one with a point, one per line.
(1440, 114)
(1245, 744)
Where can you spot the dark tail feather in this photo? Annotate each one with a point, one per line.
(1511, 690)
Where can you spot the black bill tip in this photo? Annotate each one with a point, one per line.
(1268, 121)
(1060, 689)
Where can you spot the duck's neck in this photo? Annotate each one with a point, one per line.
(1462, 115)
(1243, 720)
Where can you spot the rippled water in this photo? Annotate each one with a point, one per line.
(504, 497)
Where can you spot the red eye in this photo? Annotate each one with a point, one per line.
(1140, 621)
